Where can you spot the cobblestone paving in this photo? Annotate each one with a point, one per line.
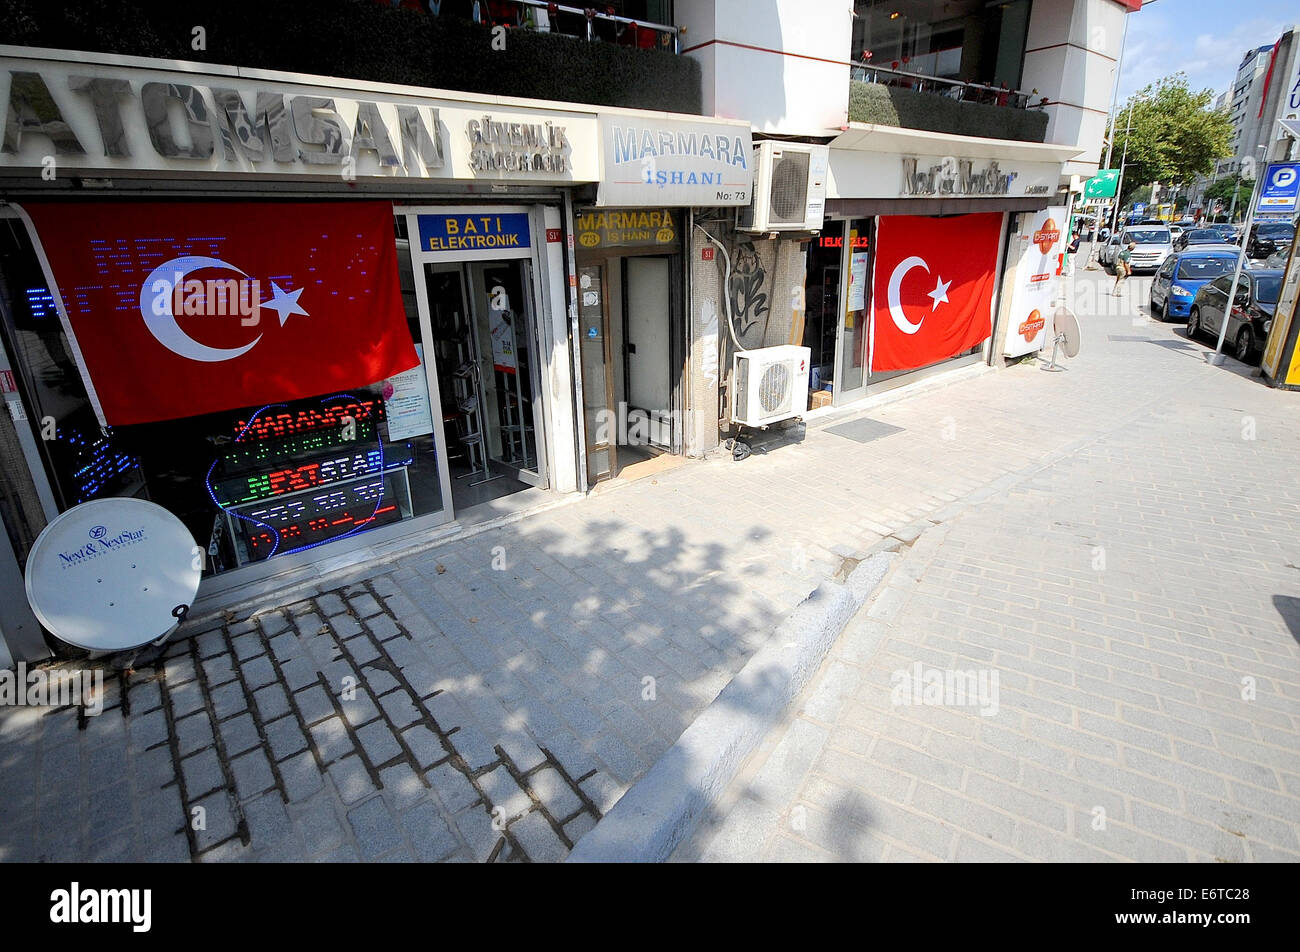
(539, 669)
(1138, 600)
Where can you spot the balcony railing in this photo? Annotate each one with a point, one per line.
(589, 23)
(952, 88)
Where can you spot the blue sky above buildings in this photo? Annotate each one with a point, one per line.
(1204, 38)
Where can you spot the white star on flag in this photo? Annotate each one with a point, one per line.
(284, 303)
(940, 293)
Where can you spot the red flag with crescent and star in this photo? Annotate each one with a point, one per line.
(933, 287)
(175, 309)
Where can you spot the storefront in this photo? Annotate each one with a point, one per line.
(907, 276)
(307, 320)
(633, 282)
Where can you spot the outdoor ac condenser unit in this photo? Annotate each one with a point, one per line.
(771, 384)
(789, 187)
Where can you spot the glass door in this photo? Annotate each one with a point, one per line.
(508, 362)
(855, 331)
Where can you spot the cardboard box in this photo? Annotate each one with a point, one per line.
(822, 398)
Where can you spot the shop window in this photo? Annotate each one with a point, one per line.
(250, 483)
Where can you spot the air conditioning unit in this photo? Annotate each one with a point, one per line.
(771, 384)
(789, 187)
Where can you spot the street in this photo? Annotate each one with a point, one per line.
(1112, 546)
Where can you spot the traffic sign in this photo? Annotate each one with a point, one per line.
(1139, 207)
(1281, 188)
(1102, 185)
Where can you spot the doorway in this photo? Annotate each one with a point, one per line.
(484, 340)
(647, 351)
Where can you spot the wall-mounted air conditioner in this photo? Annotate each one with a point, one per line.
(789, 187)
(771, 384)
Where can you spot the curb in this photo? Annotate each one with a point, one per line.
(659, 811)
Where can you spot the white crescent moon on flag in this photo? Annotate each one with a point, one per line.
(162, 322)
(895, 284)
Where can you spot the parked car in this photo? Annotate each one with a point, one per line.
(1252, 312)
(1182, 275)
(1226, 232)
(1177, 231)
(1266, 237)
(1197, 236)
(1153, 244)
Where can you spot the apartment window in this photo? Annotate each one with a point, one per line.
(968, 40)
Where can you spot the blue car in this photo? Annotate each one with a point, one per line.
(1181, 275)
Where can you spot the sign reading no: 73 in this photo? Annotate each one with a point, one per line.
(1281, 187)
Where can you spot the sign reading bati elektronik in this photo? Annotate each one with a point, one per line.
(658, 162)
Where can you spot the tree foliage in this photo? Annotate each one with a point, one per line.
(1175, 136)
(1222, 189)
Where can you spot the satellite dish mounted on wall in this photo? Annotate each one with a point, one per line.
(113, 575)
(1065, 335)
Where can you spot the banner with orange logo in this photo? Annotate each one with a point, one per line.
(1036, 250)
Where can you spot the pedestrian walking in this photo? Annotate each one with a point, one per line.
(1123, 265)
(1070, 252)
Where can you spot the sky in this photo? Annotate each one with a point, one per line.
(1206, 39)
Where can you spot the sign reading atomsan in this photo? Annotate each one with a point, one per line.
(77, 117)
(952, 176)
(658, 162)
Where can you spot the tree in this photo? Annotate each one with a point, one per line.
(1222, 190)
(1175, 136)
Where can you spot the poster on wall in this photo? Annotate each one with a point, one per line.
(501, 324)
(1037, 249)
(934, 281)
(406, 402)
(858, 281)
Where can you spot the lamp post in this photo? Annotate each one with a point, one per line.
(1119, 189)
(1217, 357)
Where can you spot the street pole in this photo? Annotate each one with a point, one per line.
(1119, 189)
(1114, 96)
(1217, 357)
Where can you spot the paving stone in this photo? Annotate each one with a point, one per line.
(332, 739)
(378, 742)
(147, 730)
(202, 772)
(556, 795)
(401, 712)
(272, 701)
(318, 824)
(246, 646)
(424, 744)
(228, 699)
(453, 788)
(375, 828)
(239, 734)
(579, 827)
(364, 605)
(538, 839)
(285, 737)
(252, 774)
(502, 791)
(351, 779)
(193, 733)
(217, 818)
(344, 626)
(219, 669)
(314, 704)
(383, 627)
(429, 833)
(301, 778)
(402, 786)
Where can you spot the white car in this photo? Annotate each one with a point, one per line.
(1176, 231)
(1153, 244)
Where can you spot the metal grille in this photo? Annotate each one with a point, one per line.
(790, 186)
(774, 388)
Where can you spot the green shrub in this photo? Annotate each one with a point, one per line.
(910, 109)
(359, 39)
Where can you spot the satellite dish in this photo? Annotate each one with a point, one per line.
(112, 574)
(1065, 335)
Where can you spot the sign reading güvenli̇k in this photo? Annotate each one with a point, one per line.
(182, 308)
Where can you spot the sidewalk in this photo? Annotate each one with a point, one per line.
(1134, 607)
(438, 707)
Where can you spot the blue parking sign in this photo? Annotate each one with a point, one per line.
(1281, 188)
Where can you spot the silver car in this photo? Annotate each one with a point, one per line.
(1154, 243)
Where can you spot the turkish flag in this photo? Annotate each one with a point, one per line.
(933, 287)
(184, 308)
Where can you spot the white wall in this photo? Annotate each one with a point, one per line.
(1071, 54)
(781, 64)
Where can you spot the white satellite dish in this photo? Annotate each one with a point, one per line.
(113, 574)
(1065, 335)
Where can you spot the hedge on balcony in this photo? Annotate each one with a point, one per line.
(359, 39)
(910, 109)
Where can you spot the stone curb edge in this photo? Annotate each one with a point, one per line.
(660, 810)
